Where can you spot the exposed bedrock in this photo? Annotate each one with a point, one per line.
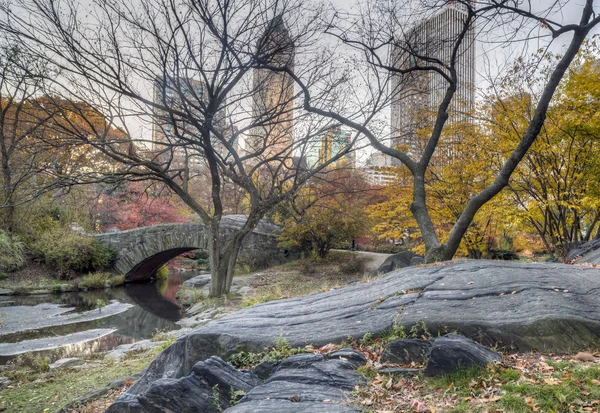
(518, 306)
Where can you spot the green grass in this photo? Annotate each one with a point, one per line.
(54, 390)
(569, 387)
(88, 282)
(280, 351)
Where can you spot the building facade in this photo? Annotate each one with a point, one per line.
(322, 149)
(381, 170)
(273, 95)
(418, 94)
(175, 138)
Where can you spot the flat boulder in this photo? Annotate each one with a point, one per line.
(186, 395)
(300, 361)
(307, 384)
(349, 354)
(453, 352)
(289, 406)
(400, 260)
(518, 306)
(198, 281)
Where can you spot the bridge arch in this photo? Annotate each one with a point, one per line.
(142, 251)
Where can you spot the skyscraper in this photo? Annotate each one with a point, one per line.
(273, 94)
(330, 144)
(176, 136)
(418, 94)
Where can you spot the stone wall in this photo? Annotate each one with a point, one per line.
(141, 251)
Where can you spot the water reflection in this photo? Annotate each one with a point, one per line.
(155, 308)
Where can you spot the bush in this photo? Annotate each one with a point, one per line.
(68, 251)
(93, 281)
(100, 280)
(201, 255)
(12, 252)
(116, 280)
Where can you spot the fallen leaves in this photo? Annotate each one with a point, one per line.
(548, 373)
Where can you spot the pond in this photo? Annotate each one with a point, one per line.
(63, 325)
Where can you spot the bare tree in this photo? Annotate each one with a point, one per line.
(208, 76)
(30, 163)
(386, 35)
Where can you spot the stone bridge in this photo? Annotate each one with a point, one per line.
(141, 251)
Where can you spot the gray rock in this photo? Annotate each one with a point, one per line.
(300, 361)
(355, 357)
(418, 260)
(4, 382)
(121, 351)
(452, 352)
(126, 403)
(245, 290)
(301, 392)
(330, 373)
(198, 281)
(64, 363)
(306, 385)
(472, 297)
(278, 406)
(585, 252)
(186, 395)
(264, 369)
(6, 291)
(406, 351)
(399, 371)
(20, 318)
(51, 343)
(208, 388)
(396, 261)
(218, 373)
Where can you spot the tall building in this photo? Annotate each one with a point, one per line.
(273, 94)
(176, 136)
(418, 94)
(329, 145)
(381, 169)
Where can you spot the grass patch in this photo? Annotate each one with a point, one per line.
(53, 390)
(12, 252)
(280, 351)
(306, 276)
(100, 280)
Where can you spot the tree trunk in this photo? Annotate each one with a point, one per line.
(9, 210)
(224, 255)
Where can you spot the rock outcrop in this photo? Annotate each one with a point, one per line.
(518, 306)
(303, 383)
(452, 352)
(406, 351)
(400, 260)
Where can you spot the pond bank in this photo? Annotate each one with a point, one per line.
(193, 309)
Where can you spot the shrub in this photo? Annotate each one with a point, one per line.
(93, 281)
(162, 273)
(201, 255)
(116, 280)
(99, 280)
(68, 251)
(12, 252)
